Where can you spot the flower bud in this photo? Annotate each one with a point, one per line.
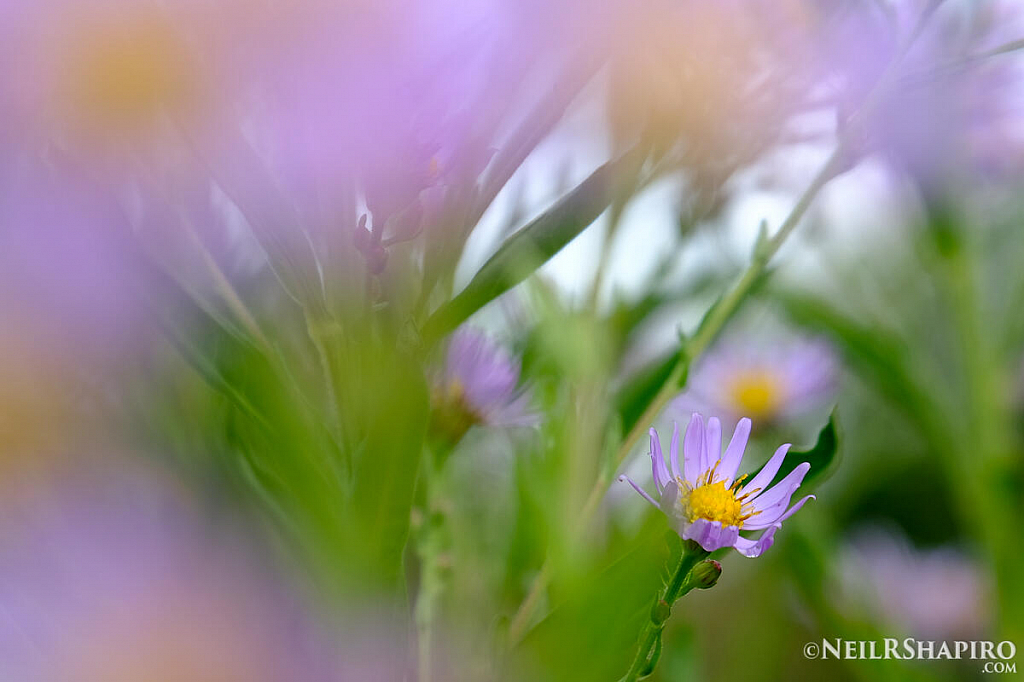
(705, 574)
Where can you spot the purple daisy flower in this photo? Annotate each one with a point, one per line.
(936, 594)
(479, 385)
(768, 382)
(707, 502)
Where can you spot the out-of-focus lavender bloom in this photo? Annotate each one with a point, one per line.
(112, 103)
(73, 305)
(479, 384)
(722, 76)
(931, 594)
(742, 375)
(66, 265)
(945, 112)
(105, 582)
(704, 499)
(401, 98)
(102, 77)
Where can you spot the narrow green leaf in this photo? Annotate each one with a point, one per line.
(537, 242)
(393, 413)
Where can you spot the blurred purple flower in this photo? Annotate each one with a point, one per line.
(105, 78)
(401, 98)
(67, 269)
(931, 594)
(946, 112)
(479, 385)
(707, 503)
(744, 375)
(105, 582)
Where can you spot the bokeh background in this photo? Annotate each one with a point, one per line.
(327, 326)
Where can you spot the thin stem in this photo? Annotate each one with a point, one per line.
(1005, 48)
(431, 548)
(614, 219)
(678, 585)
(964, 62)
(424, 630)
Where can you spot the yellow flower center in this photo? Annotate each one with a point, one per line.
(452, 414)
(124, 75)
(715, 502)
(756, 393)
(455, 391)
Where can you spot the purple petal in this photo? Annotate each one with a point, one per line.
(712, 443)
(486, 372)
(693, 448)
(515, 413)
(767, 473)
(704, 532)
(783, 490)
(673, 451)
(668, 498)
(640, 490)
(755, 548)
(658, 468)
(710, 534)
(729, 536)
(734, 453)
(768, 521)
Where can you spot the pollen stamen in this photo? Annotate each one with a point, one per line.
(747, 494)
(713, 501)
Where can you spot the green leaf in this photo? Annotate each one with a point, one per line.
(537, 242)
(823, 456)
(634, 397)
(878, 355)
(392, 410)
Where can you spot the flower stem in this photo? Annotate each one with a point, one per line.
(650, 638)
(431, 548)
